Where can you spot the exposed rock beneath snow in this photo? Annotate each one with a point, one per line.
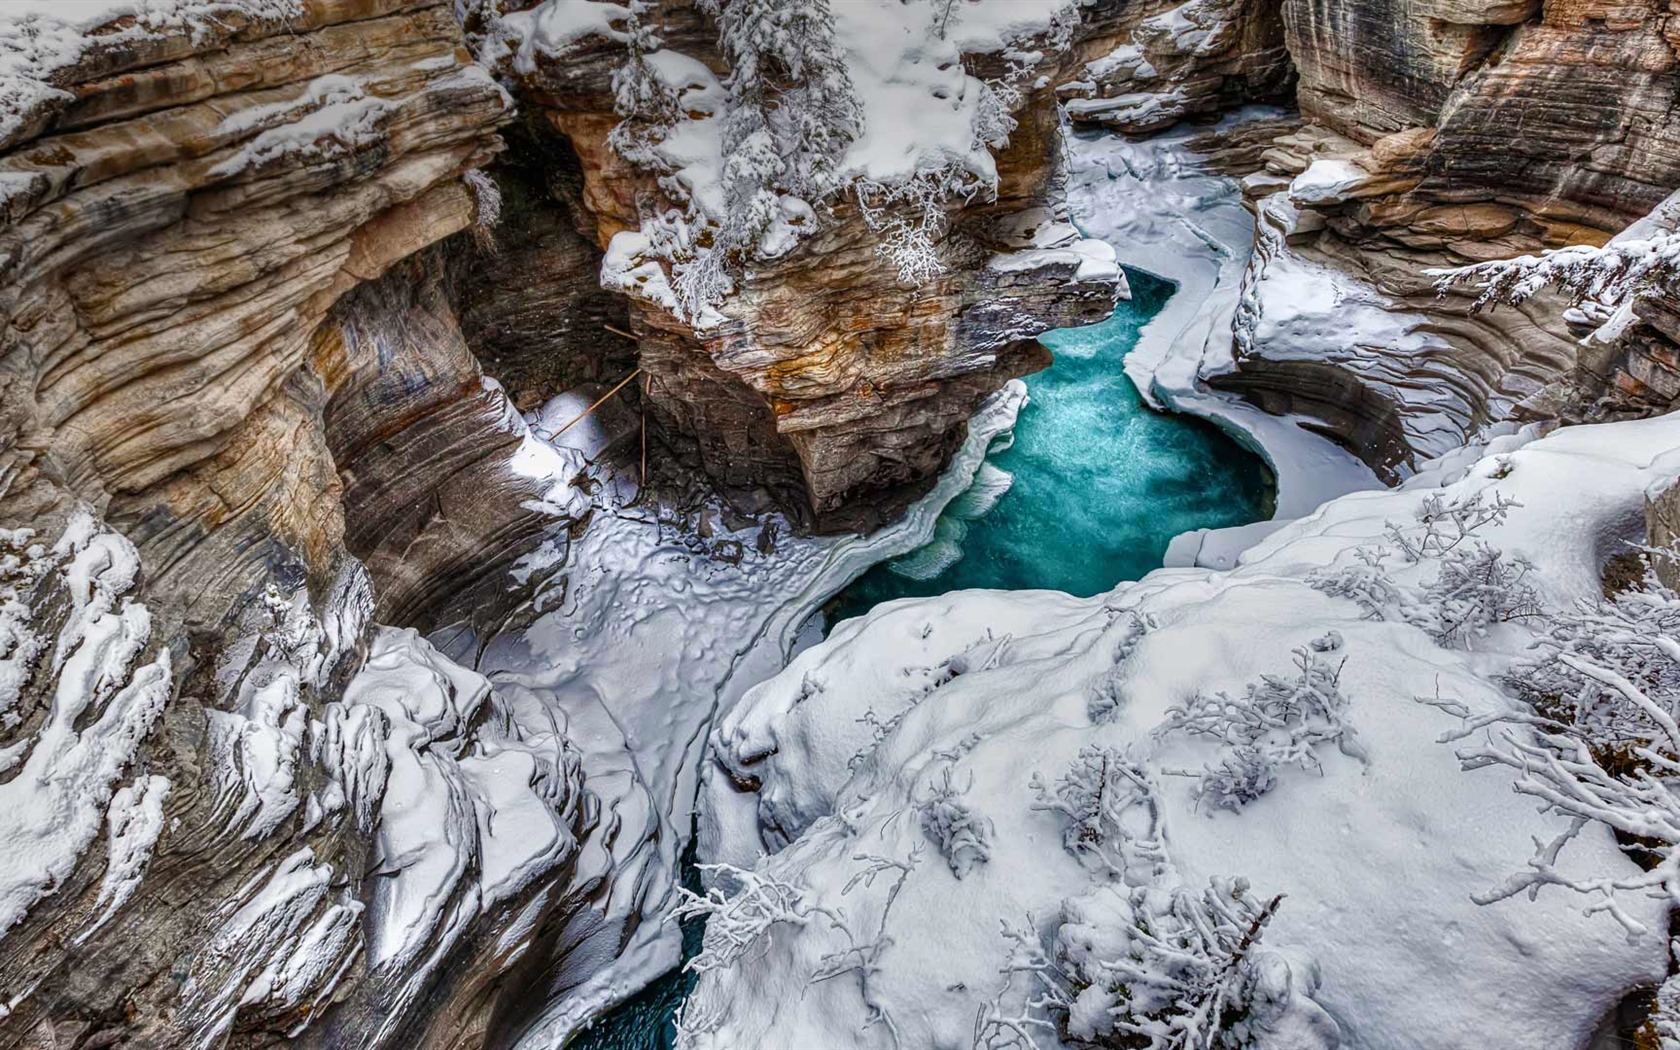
(195, 204)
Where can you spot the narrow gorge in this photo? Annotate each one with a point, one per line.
(985, 524)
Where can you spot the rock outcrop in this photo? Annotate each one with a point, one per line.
(238, 811)
(1142, 67)
(828, 381)
(1434, 135)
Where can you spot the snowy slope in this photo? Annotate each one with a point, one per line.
(643, 641)
(1377, 852)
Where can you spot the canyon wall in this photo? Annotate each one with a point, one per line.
(1433, 135)
(240, 421)
(251, 289)
(829, 383)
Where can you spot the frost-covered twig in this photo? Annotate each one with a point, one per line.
(865, 959)
(1596, 739)
(1475, 587)
(735, 923)
(1112, 810)
(1276, 722)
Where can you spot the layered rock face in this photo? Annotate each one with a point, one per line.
(830, 382)
(1442, 134)
(1145, 66)
(1434, 135)
(236, 811)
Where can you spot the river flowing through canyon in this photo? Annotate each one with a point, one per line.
(1086, 491)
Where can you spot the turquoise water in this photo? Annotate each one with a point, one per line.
(1093, 488)
(647, 1020)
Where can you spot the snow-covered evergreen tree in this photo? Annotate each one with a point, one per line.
(648, 105)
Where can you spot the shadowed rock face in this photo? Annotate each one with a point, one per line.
(213, 342)
(1144, 66)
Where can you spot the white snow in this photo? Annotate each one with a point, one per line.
(1327, 181)
(645, 640)
(135, 820)
(1377, 856)
(283, 947)
(103, 702)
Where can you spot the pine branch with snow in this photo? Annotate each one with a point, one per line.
(647, 105)
(1611, 275)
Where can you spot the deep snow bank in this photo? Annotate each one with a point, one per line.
(866, 752)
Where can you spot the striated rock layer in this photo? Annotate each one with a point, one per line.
(1436, 133)
(230, 377)
(830, 382)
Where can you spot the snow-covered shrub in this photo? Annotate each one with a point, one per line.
(1108, 697)
(1163, 969)
(1108, 693)
(1475, 587)
(1112, 811)
(964, 837)
(1242, 775)
(736, 922)
(1152, 968)
(1277, 721)
(1633, 637)
(1442, 525)
(1597, 738)
(1611, 274)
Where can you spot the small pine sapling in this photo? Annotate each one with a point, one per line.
(964, 838)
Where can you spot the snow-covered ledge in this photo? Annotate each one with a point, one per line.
(1165, 212)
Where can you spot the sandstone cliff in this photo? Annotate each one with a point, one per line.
(1433, 135)
(827, 379)
(214, 346)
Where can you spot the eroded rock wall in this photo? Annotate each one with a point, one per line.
(1144, 66)
(229, 377)
(832, 386)
(1435, 134)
